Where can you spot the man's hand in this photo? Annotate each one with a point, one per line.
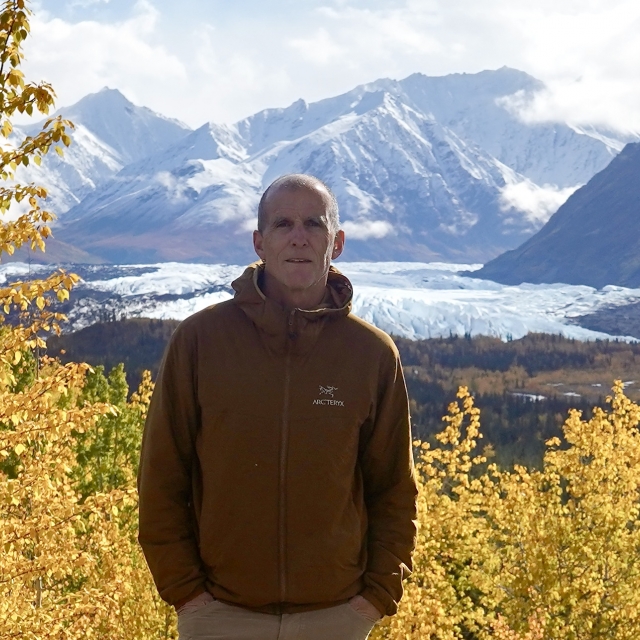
(195, 603)
(365, 608)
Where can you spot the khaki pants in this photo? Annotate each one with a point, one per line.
(219, 621)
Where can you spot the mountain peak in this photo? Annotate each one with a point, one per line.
(423, 168)
(105, 99)
(107, 89)
(133, 132)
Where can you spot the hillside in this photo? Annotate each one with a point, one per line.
(138, 343)
(593, 239)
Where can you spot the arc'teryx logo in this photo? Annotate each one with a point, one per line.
(328, 391)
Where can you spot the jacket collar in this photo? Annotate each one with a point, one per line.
(301, 326)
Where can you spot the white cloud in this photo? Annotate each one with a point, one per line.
(320, 48)
(537, 203)
(587, 53)
(589, 58)
(83, 57)
(231, 62)
(366, 229)
(86, 3)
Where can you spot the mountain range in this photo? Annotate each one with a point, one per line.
(426, 168)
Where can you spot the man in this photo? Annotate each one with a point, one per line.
(277, 497)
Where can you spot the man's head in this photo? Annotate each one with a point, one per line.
(297, 237)
(294, 181)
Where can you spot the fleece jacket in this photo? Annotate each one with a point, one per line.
(276, 468)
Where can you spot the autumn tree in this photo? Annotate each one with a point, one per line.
(70, 565)
(528, 554)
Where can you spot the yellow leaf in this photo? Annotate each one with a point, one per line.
(19, 449)
(40, 302)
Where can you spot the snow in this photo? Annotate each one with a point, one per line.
(170, 278)
(531, 396)
(411, 300)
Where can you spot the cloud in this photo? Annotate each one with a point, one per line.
(86, 3)
(83, 57)
(226, 75)
(589, 58)
(238, 58)
(187, 69)
(366, 229)
(537, 203)
(320, 48)
(588, 54)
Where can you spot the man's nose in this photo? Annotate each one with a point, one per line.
(298, 234)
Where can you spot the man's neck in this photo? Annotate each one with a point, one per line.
(307, 299)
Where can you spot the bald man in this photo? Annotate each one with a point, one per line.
(277, 495)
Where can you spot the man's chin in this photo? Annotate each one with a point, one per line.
(299, 286)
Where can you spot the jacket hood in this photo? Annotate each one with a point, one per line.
(302, 325)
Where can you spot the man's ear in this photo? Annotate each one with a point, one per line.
(338, 244)
(257, 244)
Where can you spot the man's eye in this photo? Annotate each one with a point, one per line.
(313, 223)
(282, 223)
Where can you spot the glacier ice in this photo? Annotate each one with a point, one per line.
(408, 299)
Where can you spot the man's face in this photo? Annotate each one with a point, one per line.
(297, 245)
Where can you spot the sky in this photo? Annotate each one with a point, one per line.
(222, 60)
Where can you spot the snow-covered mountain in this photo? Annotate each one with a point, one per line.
(110, 132)
(411, 300)
(423, 168)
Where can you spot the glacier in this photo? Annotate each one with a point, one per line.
(414, 300)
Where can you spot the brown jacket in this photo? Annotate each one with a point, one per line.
(276, 468)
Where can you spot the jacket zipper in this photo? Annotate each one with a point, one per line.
(284, 446)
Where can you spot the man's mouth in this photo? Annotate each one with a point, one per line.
(297, 260)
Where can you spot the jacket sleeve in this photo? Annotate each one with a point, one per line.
(167, 532)
(390, 490)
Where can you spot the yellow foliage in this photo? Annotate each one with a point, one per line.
(30, 228)
(525, 554)
(69, 568)
(70, 565)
